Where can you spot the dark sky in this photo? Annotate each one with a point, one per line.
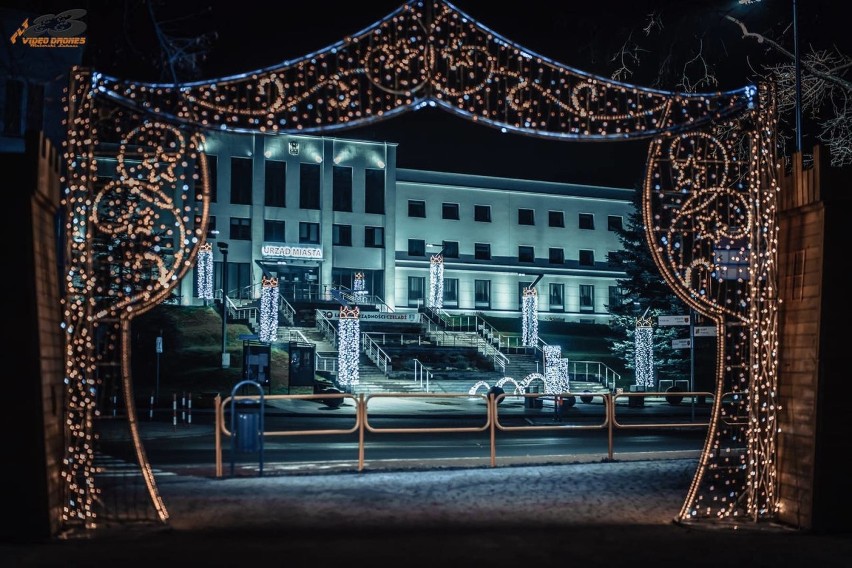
(252, 34)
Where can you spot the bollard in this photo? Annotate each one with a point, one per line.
(174, 410)
(183, 408)
(189, 409)
(151, 408)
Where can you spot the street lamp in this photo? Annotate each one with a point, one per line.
(798, 71)
(226, 357)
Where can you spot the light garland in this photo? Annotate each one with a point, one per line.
(268, 309)
(358, 286)
(436, 281)
(710, 186)
(348, 347)
(529, 317)
(643, 340)
(204, 272)
(556, 377)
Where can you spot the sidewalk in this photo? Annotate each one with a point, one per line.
(595, 514)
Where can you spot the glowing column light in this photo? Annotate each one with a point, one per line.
(552, 355)
(644, 351)
(436, 281)
(269, 309)
(348, 347)
(358, 286)
(529, 317)
(204, 272)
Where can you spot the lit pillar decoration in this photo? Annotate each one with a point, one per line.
(556, 379)
(710, 185)
(358, 285)
(204, 272)
(529, 317)
(348, 346)
(643, 341)
(268, 309)
(436, 281)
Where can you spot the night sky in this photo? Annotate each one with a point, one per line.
(251, 34)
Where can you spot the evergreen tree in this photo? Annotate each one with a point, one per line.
(645, 293)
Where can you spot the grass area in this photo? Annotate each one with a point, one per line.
(192, 352)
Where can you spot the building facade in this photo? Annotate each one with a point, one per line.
(317, 211)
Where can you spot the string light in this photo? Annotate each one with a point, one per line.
(268, 309)
(358, 286)
(204, 271)
(436, 281)
(348, 348)
(136, 176)
(643, 340)
(529, 317)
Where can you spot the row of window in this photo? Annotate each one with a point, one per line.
(309, 233)
(482, 213)
(482, 251)
(482, 294)
(275, 185)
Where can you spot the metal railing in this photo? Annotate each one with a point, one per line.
(324, 326)
(294, 335)
(607, 409)
(375, 353)
(421, 371)
(287, 310)
(323, 363)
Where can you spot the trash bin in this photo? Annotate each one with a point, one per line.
(636, 401)
(533, 401)
(248, 425)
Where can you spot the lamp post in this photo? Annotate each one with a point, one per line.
(798, 71)
(226, 357)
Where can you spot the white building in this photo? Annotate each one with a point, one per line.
(314, 211)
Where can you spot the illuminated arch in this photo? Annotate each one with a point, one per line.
(709, 195)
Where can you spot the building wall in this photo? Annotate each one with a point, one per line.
(391, 264)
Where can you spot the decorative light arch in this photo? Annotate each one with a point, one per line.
(709, 197)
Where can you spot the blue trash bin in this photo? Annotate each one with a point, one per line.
(248, 425)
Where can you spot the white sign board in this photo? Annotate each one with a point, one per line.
(159, 345)
(704, 331)
(386, 317)
(673, 320)
(681, 343)
(291, 251)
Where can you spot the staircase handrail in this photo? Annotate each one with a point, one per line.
(324, 326)
(287, 309)
(375, 353)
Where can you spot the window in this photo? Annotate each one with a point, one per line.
(614, 223)
(273, 231)
(556, 256)
(342, 188)
(309, 186)
(557, 297)
(614, 259)
(526, 254)
(374, 237)
(526, 217)
(416, 247)
(482, 213)
(451, 249)
(615, 298)
(416, 208)
(587, 221)
(212, 233)
(556, 218)
(451, 292)
(587, 298)
(374, 191)
(587, 258)
(309, 233)
(240, 229)
(341, 235)
(416, 290)
(482, 294)
(275, 193)
(213, 166)
(450, 211)
(482, 251)
(241, 169)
